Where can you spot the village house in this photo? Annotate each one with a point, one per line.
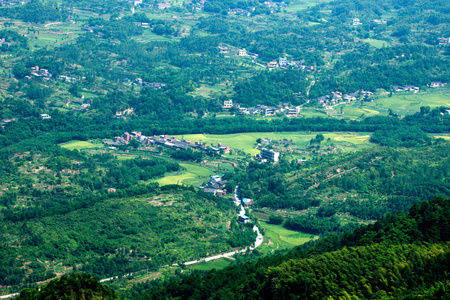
(242, 52)
(164, 5)
(293, 112)
(266, 141)
(45, 116)
(246, 202)
(215, 186)
(243, 219)
(223, 49)
(3, 42)
(270, 155)
(436, 84)
(444, 40)
(228, 103)
(406, 88)
(272, 64)
(356, 22)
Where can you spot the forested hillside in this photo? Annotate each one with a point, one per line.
(131, 131)
(386, 260)
(402, 256)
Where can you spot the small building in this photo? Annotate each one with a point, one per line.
(293, 112)
(242, 52)
(164, 5)
(356, 22)
(45, 116)
(436, 84)
(246, 202)
(272, 64)
(228, 103)
(269, 154)
(244, 219)
(266, 141)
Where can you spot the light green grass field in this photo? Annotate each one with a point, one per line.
(80, 145)
(296, 5)
(193, 175)
(408, 103)
(217, 264)
(278, 238)
(246, 141)
(353, 113)
(376, 43)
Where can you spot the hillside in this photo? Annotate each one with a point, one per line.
(402, 256)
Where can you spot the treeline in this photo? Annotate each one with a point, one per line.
(36, 12)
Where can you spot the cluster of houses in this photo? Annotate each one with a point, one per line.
(275, 4)
(284, 63)
(38, 72)
(267, 141)
(162, 5)
(216, 186)
(405, 88)
(244, 52)
(264, 109)
(239, 11)
(6, 122)
(144, 25)
(436, 84)
(167, 141)
(67, 78)
(155, 85)
(337, 97)
(92, 28)
(13, 2)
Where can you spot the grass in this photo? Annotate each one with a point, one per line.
(193, 175)
(302, 5)
(409, 103)
(246, 141)
(277, 238)
(80, 145)
(376, 43)
(216, 264)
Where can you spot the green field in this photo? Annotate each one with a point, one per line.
(246, 141)
(216, 264)
(278, 238)
(408, 103)
(193, 175)
(376, 43)
(80, 145)
(295, 6)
